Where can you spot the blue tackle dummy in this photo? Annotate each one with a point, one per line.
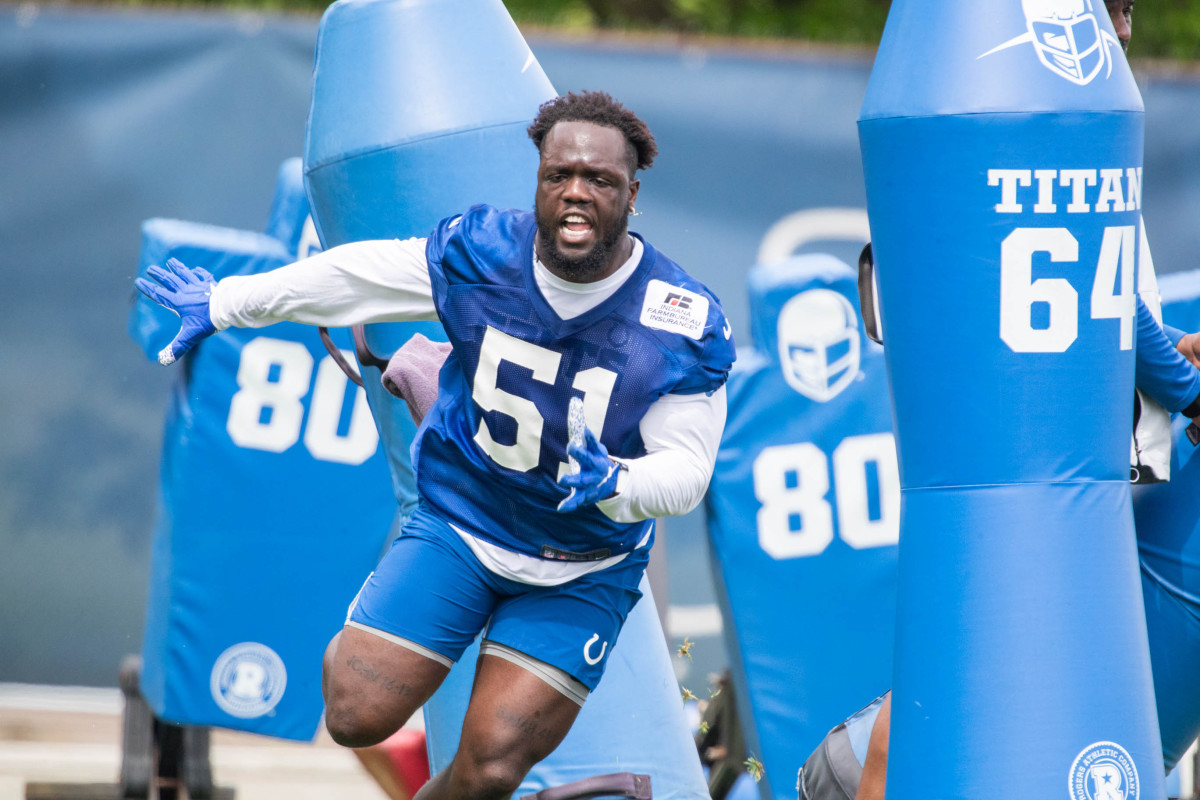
(255, 555)
(803, 514)
(1002, 149)
(419, 112)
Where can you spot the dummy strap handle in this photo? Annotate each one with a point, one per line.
(868, 295)
(618, 784)
(361, 350)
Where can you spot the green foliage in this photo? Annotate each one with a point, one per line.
(1162, 28)
(831, 20)
(1167, 29)
(826, 20)
(569, 14)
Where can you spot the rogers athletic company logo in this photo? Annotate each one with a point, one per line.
(1067, 38)
(674, 309)
(248, 680)
(1103, 771)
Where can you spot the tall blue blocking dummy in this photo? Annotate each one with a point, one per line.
(254, 554)
(803, 514)
(1002, 147)
(419, 111)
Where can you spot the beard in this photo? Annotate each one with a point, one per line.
(584, 268)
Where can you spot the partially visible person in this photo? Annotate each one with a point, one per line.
(720, 740)
(836, 769)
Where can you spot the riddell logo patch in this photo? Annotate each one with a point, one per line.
(674, 309)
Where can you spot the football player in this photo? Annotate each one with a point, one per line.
(584, 397)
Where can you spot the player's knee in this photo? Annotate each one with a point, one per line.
(352, 722)
(487, 779)
(353, 726)
(483, 771)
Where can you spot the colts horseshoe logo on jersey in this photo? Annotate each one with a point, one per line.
(587, 650)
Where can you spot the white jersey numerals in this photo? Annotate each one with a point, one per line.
(1112, 290)
(522, 455)
(267, 412)
(796, 517)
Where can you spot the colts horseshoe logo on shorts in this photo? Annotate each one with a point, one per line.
(587, 650)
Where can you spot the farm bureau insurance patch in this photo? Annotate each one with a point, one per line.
(1103, 771)
(674, 309)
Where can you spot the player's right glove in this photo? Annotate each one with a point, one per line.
(187, 293)
(593, 475)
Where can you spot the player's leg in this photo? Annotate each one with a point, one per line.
(545, 649)
(373, 685)
(423, 605)
(515, 719)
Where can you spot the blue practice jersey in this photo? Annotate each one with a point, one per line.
(490, 451)
(1161, 370)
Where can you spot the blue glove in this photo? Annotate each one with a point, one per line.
(186, 292)
(596, 478)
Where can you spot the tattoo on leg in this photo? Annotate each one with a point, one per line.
(371, 674)
(527, 725)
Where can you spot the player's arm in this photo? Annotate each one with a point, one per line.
(1162, 371)
(681, 433)
(357, 283)
(874, 775)
(1186, 343)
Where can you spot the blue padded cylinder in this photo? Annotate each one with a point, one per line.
(803, 512)
(419, 111)
(254, 558)
(1002, 149)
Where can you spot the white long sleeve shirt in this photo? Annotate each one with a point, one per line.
(388, 281)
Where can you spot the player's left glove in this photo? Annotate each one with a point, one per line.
(186, 292)
(594, 474)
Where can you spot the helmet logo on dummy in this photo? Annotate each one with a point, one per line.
(1067, 38)
(819, 345)
(1103, 771)
(248, 680)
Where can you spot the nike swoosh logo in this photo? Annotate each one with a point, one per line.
(728, 331)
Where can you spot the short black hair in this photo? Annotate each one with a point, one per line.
(598, 108)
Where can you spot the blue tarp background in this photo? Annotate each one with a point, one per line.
(109, 117)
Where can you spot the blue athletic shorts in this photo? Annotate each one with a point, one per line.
(430, 589)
